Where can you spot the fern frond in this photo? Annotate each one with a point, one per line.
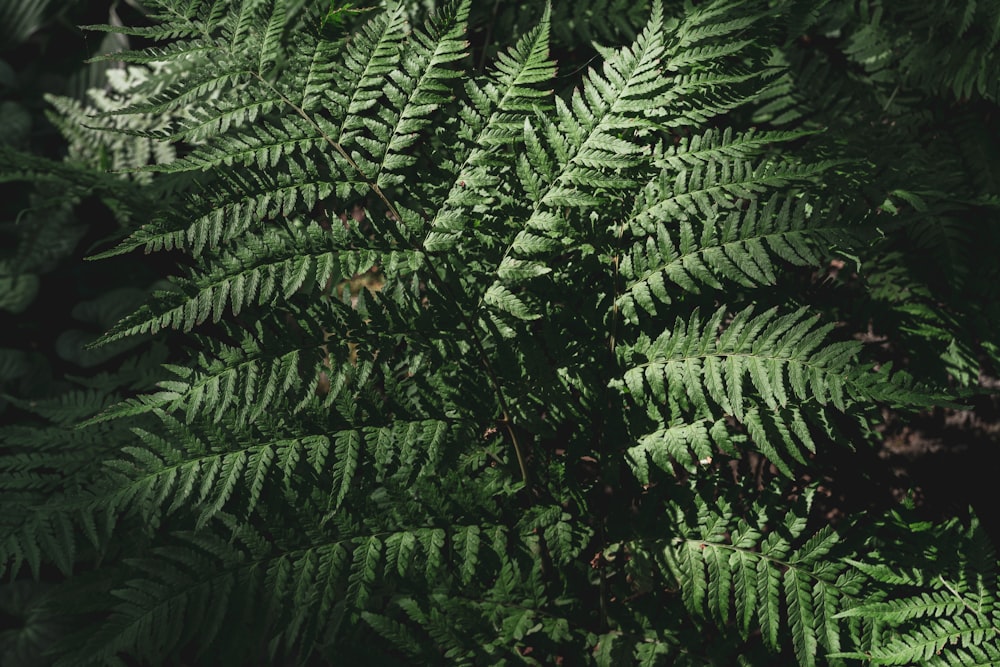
(687, 444)
(777, 353)
(926, 642)
(364, 69)
(185, 576)
(261, 270)
(771, 579)
(493, 118)
(93, 141)
(951, 616)
(764, 348)
(738, 246)
(193, 469)
(701, 370)
(45, 473)
(412, 95)
(582, 152)
(712, 186)
(228, 210)
(264, 146)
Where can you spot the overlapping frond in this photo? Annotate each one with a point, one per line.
(771, 373)
(195, 469)
(49, 467)
(262, 270)
(723, 247)
(952, 615)
(703, 58)
(227, 134)
(777, 578)
(412, 94)
(492, 119)
(262, 379)
(590, 147)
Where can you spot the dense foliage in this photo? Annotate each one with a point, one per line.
(500, 334)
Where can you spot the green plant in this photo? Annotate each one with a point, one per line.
(513, 445)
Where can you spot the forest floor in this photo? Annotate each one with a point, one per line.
(950, 459)
(947, 461)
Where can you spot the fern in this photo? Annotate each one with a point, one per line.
(461, 357)
(950, 613)
(925, 186)
(777, 578)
